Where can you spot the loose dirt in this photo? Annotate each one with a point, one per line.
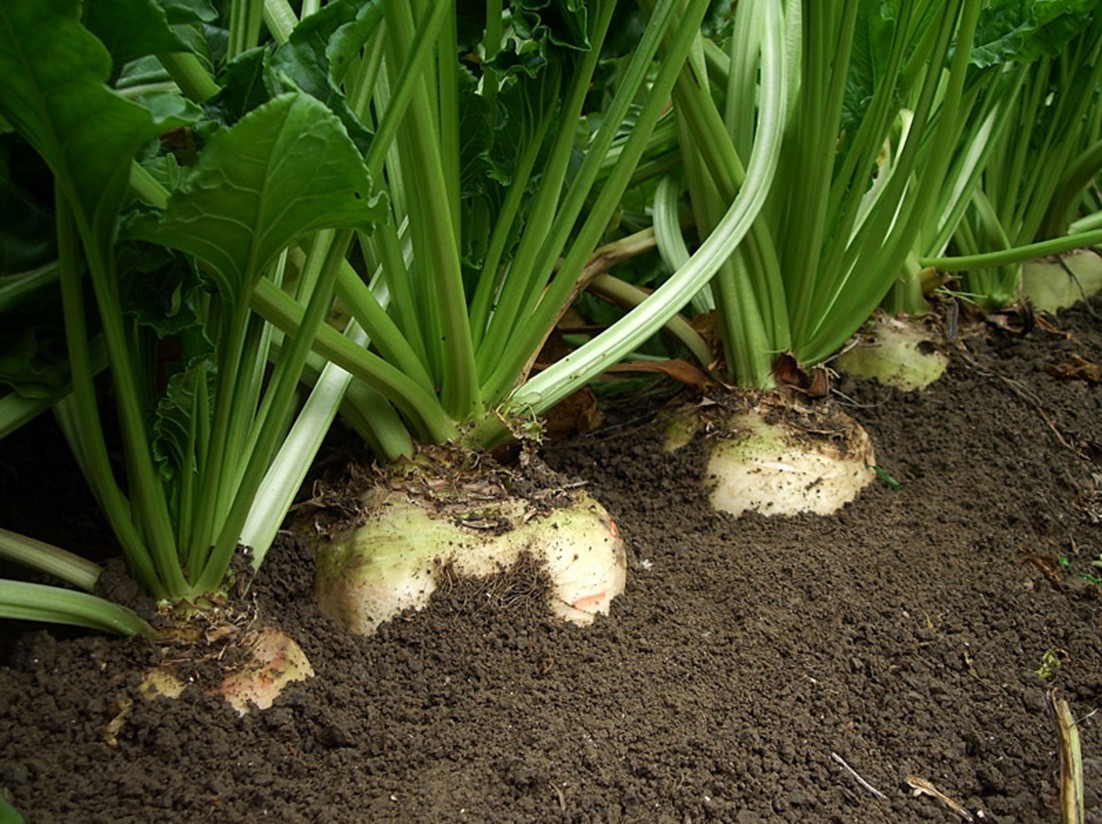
(757, 670)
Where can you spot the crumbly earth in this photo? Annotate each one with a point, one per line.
(757, 670)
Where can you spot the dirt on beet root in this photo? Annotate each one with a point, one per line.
(879, 665)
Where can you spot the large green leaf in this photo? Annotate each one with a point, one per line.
(131, 29)
(320, 50)
(188, 11)
(248, 82)
(1025, 30)
(284, 170)
(52, 91)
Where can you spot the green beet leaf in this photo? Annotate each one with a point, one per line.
(284, 170)
(188, 11)
(1025, 30)
(248, 82)
(52, 91)
(319, 52)
(131, 29)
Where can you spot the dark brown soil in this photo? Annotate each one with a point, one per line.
(748, 660)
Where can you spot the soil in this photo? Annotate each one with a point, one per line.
(757, 670)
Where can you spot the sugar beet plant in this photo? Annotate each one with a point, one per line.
(484, 251)
(218, 179)
(1047, 153)
(837, 227)
(890, 116)
(201, 390)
